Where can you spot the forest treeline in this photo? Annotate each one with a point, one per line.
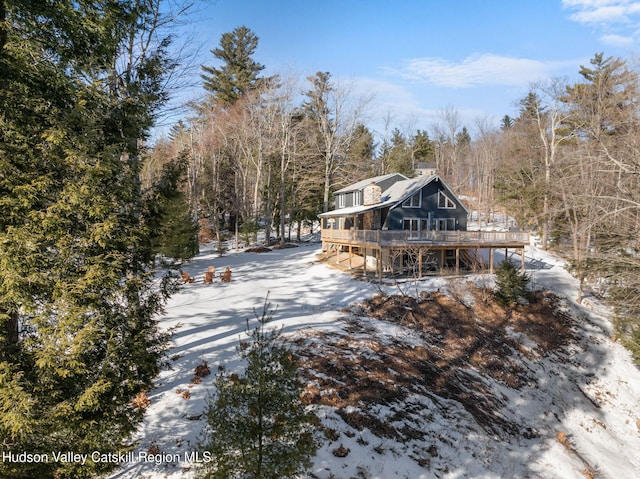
(269, 151)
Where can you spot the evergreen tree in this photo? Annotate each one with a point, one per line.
(174, 232)
(530, 107)
(422, 147)
(239, 71)
(360, 155)
(399, 158)
(79, 339)
(322, 131)
(257, 426)
(519, 179)
(506, 123)
(463, 139)
(511, 285)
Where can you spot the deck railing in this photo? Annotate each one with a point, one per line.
(403, 237)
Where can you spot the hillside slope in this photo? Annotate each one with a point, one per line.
(461, 387)
(441, 385)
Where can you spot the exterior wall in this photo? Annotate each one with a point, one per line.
(349, 196)
(386, 184)
(429, 210)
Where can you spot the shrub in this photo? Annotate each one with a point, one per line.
(511, 285)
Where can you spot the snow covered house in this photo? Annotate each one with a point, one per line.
(392, 223)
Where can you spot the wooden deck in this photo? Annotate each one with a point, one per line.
(385, 245)
(439, 239)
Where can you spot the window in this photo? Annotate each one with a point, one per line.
(410, 224)
(413, 202)
(446, 224)
(444, 202)
(341, 201)
(356, 198)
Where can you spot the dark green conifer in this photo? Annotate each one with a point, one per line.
(78, 335)
(511, 285)
(239, 72)
(174, 232)
(258, 427)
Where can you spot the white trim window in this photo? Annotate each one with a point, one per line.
(444, 202)
(412, 225)
(356, 198)
(341, 200)
(446, 224)
(414, 202)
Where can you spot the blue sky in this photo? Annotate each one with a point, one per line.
(420, 57)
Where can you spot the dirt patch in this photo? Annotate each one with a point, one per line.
(258, 249)
(459, 348)
(285, 246)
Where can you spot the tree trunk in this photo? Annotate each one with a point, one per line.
(3, 26)
(283, 194)
(327, 185)
(10, 333)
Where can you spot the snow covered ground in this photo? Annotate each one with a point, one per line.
(584, 406)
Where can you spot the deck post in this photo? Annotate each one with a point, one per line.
(490, 260)
(464, 241)
(365, 262)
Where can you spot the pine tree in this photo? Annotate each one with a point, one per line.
(174, 232)
(511, 285)
(506, 122)
(239, 71)
(399, 159)
(257, 426)
(422, 147)
(360, 154)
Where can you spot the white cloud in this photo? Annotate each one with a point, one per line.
(382, 88)
(477, 70)
(603, 12)
(616, 40)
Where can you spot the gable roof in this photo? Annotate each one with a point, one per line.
(402, 190)
(394, 195)
(366, 182)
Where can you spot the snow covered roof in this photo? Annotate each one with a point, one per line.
(355, 210)
(366, 182)
(393, 195)
(401, 190)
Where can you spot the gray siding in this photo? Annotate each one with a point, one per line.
(429, 204)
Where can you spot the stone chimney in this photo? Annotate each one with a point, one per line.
(372, 195)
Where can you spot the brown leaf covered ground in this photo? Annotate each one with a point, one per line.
(460, 346)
